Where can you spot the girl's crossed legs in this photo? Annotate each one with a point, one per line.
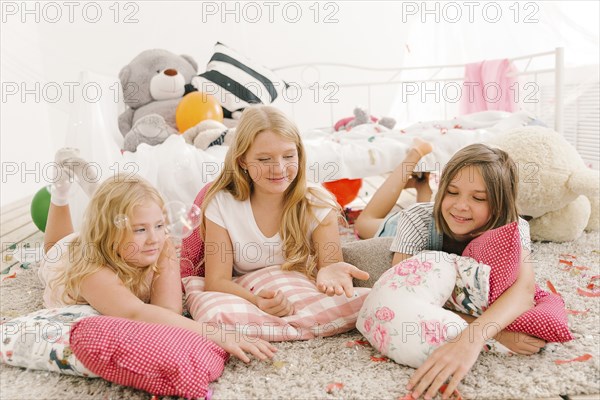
(384, 199)
(70, 168)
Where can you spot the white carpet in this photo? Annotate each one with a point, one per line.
(303, 370)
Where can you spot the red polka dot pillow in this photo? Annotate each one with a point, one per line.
(316, 314)
(162, 360)
(501, 249)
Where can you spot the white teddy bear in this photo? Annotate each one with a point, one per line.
(209, 133)
(556, 188)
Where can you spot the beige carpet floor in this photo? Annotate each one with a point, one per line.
(304, 370)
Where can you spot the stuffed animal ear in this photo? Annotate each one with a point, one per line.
(361, 116)
(191, 61)
(124, 75)
(585, 181)
(388, 122)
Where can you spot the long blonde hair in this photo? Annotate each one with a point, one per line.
(500, 174)
(106, 222)
(299, 252)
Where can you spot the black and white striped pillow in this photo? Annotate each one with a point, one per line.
(236, 82)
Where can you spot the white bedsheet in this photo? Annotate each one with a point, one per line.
(180, 170)
(369, 150)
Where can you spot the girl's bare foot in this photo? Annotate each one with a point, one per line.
(421, 146)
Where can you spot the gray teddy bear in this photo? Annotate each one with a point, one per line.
(153, 84)
(361, 117)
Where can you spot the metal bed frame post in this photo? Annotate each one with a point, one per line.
(559, 61)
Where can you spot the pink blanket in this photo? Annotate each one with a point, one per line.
(488, 85)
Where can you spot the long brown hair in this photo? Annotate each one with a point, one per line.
(500, 174)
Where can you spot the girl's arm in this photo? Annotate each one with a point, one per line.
(335, 275)
(219, 271)
(519, 342)
(105, 292)
(457, 357)
(166, 284)
(218, 263)
(399, 257)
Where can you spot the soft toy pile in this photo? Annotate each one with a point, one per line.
(361, 117)
(556, 188)
(153, 84)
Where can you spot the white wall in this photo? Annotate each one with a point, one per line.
(48, 44)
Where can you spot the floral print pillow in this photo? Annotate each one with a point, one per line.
(472, 288)
(41, 340)
(403, 316)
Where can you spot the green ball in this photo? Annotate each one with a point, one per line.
(40, 204)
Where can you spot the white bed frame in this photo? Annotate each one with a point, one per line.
(327, 92)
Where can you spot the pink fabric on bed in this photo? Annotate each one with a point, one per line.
(488, 86)
(344, 121)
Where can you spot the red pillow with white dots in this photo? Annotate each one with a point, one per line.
(500, 248)
(162, 360)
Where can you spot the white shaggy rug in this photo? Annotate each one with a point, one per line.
(305, 370)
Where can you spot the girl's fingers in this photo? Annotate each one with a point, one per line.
(239, 353)
(419, 373)
(278, 299)
(339, 290)
(291, 310)
(537, 343)
(287, 309)
(359, 274)
(348, 290)
(452, 385)
(264, 348)
(437, 382)
(278, 310)
(257, 352)
(426, 381)
(324, 286)
(282, 309)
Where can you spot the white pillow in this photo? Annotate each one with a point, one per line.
(403, 316)
(41, 340)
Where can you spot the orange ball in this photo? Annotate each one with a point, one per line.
(196, 107)
(344, 190)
